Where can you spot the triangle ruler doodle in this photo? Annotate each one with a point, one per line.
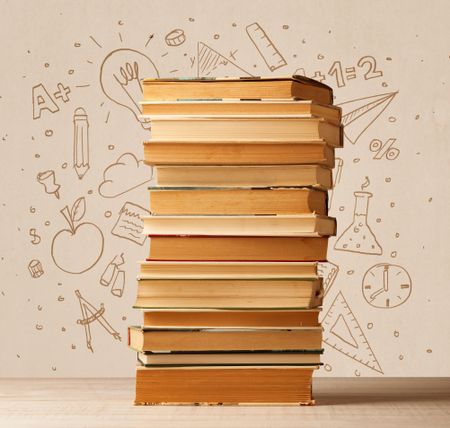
(360, 113)
(343, 333)
(210, 61)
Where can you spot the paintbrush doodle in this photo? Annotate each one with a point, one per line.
(77, 249)
(125, 174)
(90, 314)
(130, 225)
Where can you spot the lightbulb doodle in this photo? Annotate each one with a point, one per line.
(120, 74)
(90, 314)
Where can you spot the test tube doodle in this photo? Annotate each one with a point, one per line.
(80, 142)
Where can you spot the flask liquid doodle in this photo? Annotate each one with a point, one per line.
(358, 237)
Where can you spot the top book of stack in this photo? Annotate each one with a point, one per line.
(243, 88)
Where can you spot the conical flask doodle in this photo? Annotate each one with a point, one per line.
(358, 237)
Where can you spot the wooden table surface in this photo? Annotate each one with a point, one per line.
(352, 402)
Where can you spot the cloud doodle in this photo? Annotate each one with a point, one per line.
(124, 175)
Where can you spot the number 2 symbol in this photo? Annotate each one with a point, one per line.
(372, 71)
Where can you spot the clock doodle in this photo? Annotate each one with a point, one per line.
(386, 286)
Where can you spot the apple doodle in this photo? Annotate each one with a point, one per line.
(67, 243)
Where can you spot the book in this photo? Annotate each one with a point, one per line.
(293, 128)
(231, 318)
(157, 152)
(331, 114)
(233, 248)
(237, 87)
(288, 293)
(234, 201)
(243, 176)
(240, 225)
(224, 339)
(224, 385)
(230, 358)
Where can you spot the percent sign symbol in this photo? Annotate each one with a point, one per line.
(384, 150)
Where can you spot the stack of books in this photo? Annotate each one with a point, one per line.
(230, 291)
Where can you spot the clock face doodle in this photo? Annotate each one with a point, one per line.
(386, 286)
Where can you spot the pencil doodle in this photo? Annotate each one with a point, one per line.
(358, 237)
(343, 333)
(209, 61)
(35, 268)
(42, 100)
(120, 79)
(129, 224)
(48, 180)
(77, 249)
(361, 113)
(113, 275)
(328, 272)
(125, 174)
(386, 286)
(175, 37)
(337, 172)
(80, 142)
(265, 47)
(384, 150)
(90, 314)
(35, 238)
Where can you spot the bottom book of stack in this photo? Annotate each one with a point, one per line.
(222, 356)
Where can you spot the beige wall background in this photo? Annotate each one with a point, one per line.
(388, 62)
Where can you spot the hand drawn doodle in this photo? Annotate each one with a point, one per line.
(120, 79)
(114, 275)
(175, 37)
(35, 268)
(48, 180)
(35, 238)
(386, 286)
(125, 174)
(337, 172)
(77, 249)
(130, 225)
(80, 142)
(42, 100)
(358, 237)
(265, 47)
(328, 272)
(384, 150)
(362, 112)
(90, 314)
(343, 333)
(210, 61)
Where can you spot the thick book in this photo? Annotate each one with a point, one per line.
(235, 201)
(243, 176)
(157, 152)
(225, 385)
(331, 114)
(293, 128)
(240, 225)
(224, 339)
(246, 293)
(234, 269)
(237, 87)
(231, 318)
(229, 358)
(242, 248)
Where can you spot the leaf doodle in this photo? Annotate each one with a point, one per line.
(78, 209)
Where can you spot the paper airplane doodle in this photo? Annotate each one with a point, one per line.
(360, 113)
(343, 333)
(90, 314)
(209, 61)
